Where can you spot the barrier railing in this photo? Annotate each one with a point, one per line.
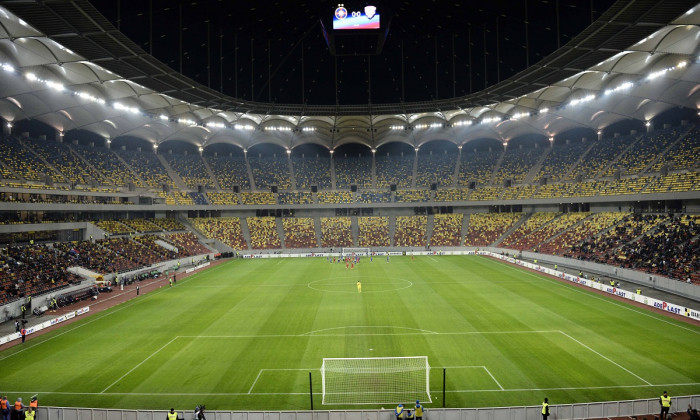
(644, 407)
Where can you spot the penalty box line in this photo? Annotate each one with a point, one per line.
(250, 391)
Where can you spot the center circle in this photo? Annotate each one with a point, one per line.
(369, 284)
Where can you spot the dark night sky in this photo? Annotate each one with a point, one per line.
(274, 51)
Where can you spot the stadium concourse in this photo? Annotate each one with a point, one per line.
(114, 165)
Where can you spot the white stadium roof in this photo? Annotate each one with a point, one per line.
(67, 66)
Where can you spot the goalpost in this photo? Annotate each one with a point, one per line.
(375, 380)
(362, 252)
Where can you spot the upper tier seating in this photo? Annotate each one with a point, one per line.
(113, 171)
(24, 163)
(148, 167)
(229, 171)
(67, 163)
(394, 170)
(191, 169)
(353, 171)
(312, 171)
(270, 171)
(516, 164)
(601, 155)
(437, 168)
(295, 197)
(477, 166)
(560, 161)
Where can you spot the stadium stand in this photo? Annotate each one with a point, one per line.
(412, 196)
(24, 163)
(335, 197)
(411, 231)
(447, 230)
(229, 171)
(31, 271)
(295, 197)
(588, 227)
(374, 197)
(147, 167)
(191, 169)
(394, 170)
(263, 233)
(113, 171)
(270, 171)
(373, 231)
(299, 232)
(64, 161)
(601, 155)
(187, 243)
(336, 232)
(438, 168)
(168, 224)
(257, 198)
(312, 171)
(516, 164)
(547, 232)
(534, 222)
(353, 171)
(477, 166)
(485, 228)
(560, 161)
(223, 198)
(226, 229)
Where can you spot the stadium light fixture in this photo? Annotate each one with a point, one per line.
(681, 65)
(8, 68)
(58, 87)
(201, 149)
(155, 146)
(462, 123)
(31, 77)
(9, 125)
(289, 152)
(544, 110)
(163, 117)
(622, 87)
(435, 125)
(585, 99)
(459, 147)
(212, 124)
(374, 151)
(647, 124)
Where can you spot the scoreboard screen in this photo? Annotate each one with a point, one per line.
(349, 18)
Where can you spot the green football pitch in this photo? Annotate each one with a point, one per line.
(245, 334)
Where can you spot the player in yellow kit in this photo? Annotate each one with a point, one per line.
(359, 287)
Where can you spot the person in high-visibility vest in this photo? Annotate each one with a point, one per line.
(545, 409)
(398, 411)
(172, 415)
(18, 412)
(5, 408)
(419, 411)
(665, 402)
(30, 414)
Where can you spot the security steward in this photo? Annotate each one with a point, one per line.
(172, 415)
(398, 412)
(18, 410)
(665, 402)
(34, 405)
(545, 409)
(419, 411)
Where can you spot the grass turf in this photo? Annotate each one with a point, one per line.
(245, 334)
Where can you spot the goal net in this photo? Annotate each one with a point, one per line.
(375, 380)
(362, 252)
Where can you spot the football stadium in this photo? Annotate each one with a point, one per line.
(361, 210)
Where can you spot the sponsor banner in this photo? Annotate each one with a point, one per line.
(46, 324)
(659, 304)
